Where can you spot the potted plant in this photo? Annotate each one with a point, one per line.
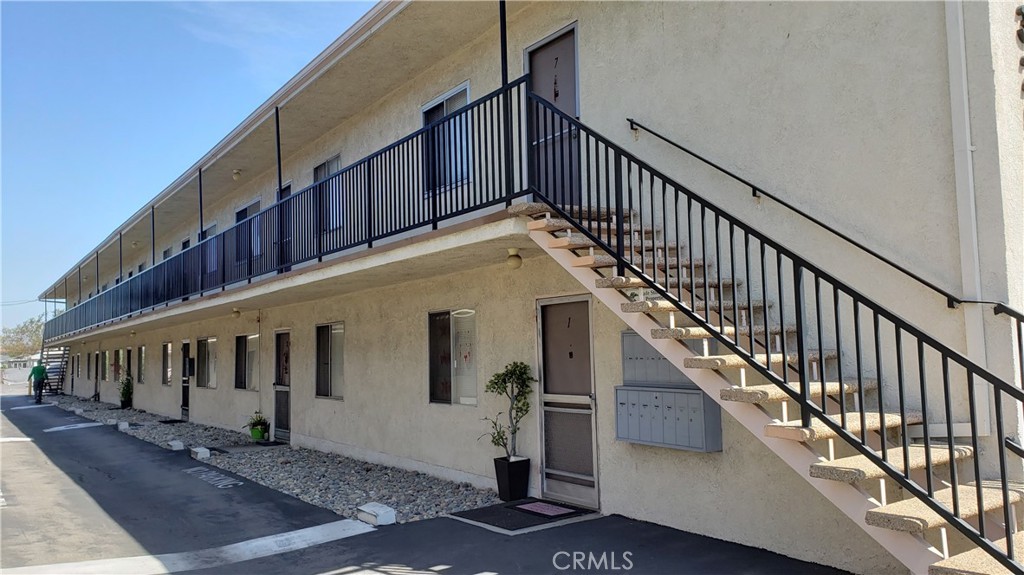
(126, 389)
(512, 471)
(258, 426)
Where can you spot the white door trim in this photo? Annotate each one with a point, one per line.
(541, 396)
(571, 27)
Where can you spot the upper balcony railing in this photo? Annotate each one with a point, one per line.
(463, 162)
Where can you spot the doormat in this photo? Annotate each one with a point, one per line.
(521, 515)
(545, 509)
(171, 421)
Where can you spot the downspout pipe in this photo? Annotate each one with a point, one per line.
(277, 137)
(152, 235)
(966, 199)
(199, 238)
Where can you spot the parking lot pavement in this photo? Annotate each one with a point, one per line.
(87, 499)
(606, 545)
(77, 491)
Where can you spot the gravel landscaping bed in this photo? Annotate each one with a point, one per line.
(341, 484)
(326, 480)
(147, 426)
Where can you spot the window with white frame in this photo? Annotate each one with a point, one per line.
(165, 363)
(206, 362)
(247, 243)
(141, 376)
(168, 253)
(247, 349)
(330, 360)
(446, 153)
(331, 166)
(452, 364)
(118, 364)
(331, 191)
(208, 250)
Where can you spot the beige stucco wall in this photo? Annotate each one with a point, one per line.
(809, 104)
(385, 416)
(843, 109)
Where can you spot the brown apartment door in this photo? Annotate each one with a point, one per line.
(186, 374)
(282, 386)
(567, 403)
(553, 77)
(96, 377)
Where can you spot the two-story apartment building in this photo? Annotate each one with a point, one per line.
(777, 342)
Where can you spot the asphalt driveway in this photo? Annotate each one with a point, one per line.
(84, 498)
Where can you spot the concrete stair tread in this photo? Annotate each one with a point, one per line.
(660, 305)
(701, 333)
(581, 242)
(607, 261)
(735, 361)
(913, 516)
(650, 262)
(637, 283)
(977, 561)
(793, 431)
(771, 393)
(553, 225)
(532, 209)
(859, 468)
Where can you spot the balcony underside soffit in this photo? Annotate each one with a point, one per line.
(471, 245)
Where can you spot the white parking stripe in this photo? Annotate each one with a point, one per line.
(73, 426)
(14, 439)
(33, 406)
(206, 558)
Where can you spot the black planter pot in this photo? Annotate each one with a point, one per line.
(126, 404)
(513, 478)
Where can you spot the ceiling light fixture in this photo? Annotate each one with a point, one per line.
(514, 260)
(236, 174)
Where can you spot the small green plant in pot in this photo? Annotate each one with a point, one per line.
(512, 472)
(126, 389)
(258, 426)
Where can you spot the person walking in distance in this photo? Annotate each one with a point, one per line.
(37, 377)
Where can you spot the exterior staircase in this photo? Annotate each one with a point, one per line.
(906, 525)
(55, 359)
(880, 417)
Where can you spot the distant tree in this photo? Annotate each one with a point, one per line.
(23, 339)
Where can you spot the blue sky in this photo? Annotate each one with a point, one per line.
(105, 103)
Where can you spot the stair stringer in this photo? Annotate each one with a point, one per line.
(911, 550)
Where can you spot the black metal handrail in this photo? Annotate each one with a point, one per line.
(462, 163)
(667, 235)
(951, 299)
(449, 168)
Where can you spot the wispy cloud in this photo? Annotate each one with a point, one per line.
(272, 38)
